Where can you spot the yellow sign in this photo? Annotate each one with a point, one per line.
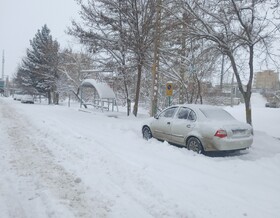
(169, 89)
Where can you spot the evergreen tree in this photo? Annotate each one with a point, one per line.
(40, 66)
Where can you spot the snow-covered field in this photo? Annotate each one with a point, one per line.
(58, 162)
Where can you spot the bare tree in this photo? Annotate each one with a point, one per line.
(235, 28)
(119, 31)
(70, 70)
(140, 20)
(197, 63)
(183, 60)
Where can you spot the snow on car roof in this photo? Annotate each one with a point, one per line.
(211, 111)
(199, 106)
(104, 91)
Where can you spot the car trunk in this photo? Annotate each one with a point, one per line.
(237, 130)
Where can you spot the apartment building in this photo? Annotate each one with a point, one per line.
(266, 80)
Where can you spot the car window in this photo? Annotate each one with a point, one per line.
(186, 113)
(168, 112)
(183, 113)
(216, 114)
(192, 116)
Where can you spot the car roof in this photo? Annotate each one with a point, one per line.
(197, 106)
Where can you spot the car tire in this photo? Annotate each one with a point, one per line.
(195, 145)
(147, 134)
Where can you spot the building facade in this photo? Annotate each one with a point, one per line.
(266, 80)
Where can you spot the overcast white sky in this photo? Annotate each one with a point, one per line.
(20, 21)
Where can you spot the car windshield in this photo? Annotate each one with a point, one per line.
(216, 114)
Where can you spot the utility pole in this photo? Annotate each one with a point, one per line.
(182, 90)
(155, 67)
(231, 92)
(3, 63)
(222, 73)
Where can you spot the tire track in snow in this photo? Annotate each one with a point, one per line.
(32, 161)
(125, 181)
(131, 181)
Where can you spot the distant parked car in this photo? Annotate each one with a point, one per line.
(27, 99)
(273, 104)
(199, 128)
(18, 97)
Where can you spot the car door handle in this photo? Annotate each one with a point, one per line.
(168, 123)
(189, 125)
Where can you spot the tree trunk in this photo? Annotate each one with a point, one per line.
(139, 74)
(248, 109)
(199, 95)
(49, 97)
(56, 98)
(128, 101)
(246, 94)
(249, 86)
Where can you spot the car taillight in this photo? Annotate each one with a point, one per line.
(221, 133)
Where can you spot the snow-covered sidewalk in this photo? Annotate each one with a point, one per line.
(60, 162)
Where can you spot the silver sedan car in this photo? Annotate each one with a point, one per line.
(199, 128)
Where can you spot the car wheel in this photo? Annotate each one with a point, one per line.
(147, 134)
(195, 145)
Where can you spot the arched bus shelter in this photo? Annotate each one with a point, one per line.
(104, 97)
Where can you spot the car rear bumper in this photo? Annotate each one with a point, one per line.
(228, 144)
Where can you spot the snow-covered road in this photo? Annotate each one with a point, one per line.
(32, 180)
(60, 162)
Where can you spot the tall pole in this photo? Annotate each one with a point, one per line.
(182, 90)
(155, 73)
(3, 63)
(231, 92)
(222, 73)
